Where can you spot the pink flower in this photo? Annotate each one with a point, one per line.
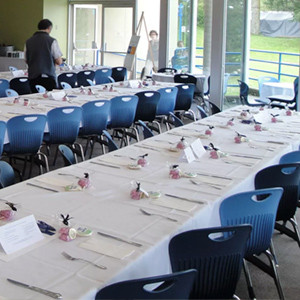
(238, 139)
(214, 154)
(257, 127)
(135, 195)
(7, 214)
(142, 162)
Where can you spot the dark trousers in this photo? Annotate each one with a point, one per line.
(48, 83)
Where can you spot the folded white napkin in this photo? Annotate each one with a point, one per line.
(102, 246)
(54, 181)
(57, 95)
(175, 204)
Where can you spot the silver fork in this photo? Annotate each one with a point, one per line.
(153, 214)
(203, 183)
(68, 256)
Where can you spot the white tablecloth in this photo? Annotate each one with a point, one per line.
(276, 89)
(164, 77)
(106, 206)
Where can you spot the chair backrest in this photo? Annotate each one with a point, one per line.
(82, 77)
(214, 109)
(167, 70)
(244, 91)
(63, 123)
(119, 73)
(103, 76)
(147, 133)
(185, 96)
(2, 135)
(7, 174)
(257, 208)
(122, 111)
(25, 133)
(185, 78)
(290, 157)
(262, 79)
(218, 259)
(112, 146)
(147, 105)
(173, 286)
(20, 85)
(11, 93)
(296, 88)
(67, 154)
(40, 88)
(68, 77)
(167, 100)
(4, 85)
(94, 117)
(286, 176)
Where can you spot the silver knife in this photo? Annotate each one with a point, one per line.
(37, 289)
(120, 239)
(105, 165)
(41, 187)
(186, 199)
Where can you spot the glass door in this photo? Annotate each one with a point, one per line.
(117, 28)
(85, 30)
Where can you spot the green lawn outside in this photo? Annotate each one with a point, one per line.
(259, 42)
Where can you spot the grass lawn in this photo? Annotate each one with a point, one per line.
(260, 42)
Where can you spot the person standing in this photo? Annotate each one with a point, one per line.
(42, 54)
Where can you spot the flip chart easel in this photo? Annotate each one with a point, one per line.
(131, 51)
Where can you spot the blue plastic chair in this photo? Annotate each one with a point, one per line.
(63, 124)
(112, 146)
(103, 76)
(20, 85)
(146, 109)
(259, 209)
(122, 113)
(7, 174)
(68, 77)
(119, 73)
(25, 134)
(171, 286)
(82, 77)
(11, 93)
(202, 112)
(184, 100)
(147, 133)
(95, 116)
(67, 154)
(2, 135)
(284, 101)
(166, 70)
(166, 104)
(286, 176)
(244, 91)
(4, 85)
(217, 258)
(65, 85)
(185, 78)
(174, 121)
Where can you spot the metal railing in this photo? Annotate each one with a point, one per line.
(279, 63)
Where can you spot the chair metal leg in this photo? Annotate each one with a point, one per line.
(272, 250)
(294, 223)
(248, 280)
(270, 269)
(293, 234)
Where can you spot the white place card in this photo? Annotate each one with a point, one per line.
(19, 234)
(187, 155)
(198, 148)
(18, 73)
(57, 95)
(134, 84)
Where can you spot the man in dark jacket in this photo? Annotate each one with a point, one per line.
(42, 54)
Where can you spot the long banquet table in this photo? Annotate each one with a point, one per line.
(107, 207)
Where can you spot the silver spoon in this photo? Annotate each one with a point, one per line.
(202, 183)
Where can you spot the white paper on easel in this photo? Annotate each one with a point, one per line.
(129, 58)
(187, 155)
(198, 148)
(19, 234)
